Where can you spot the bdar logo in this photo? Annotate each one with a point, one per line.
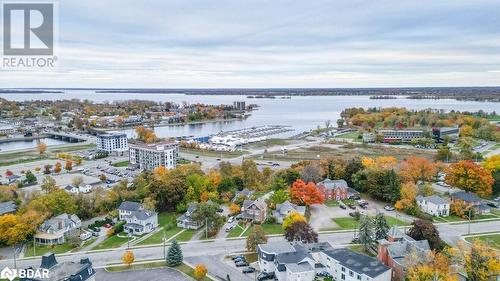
(28, 29)
(8, 273)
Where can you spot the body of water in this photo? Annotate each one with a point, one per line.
(303, 113)
(14, 145)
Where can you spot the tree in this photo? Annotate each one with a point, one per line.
(408, 193)
(256, 237)
(30, 178)
(69, 165)
(417, 169)
(292, 217)
(46, 169)
(444, 153)
(381, 226)
(340, 123)
(48, 184)
(146, 135)
(278, 197)
(353, 166)
(250, 174)
(234, 209)
(470, 177)
(102, 177)
(9, 173)
(306, 194)
(366, 232)
(311, 172)
(425, 230)
(200, 271)
(208, 212)
(57, 168)
(41, 147)
(481, 263)
(301, 231)
(435, 267)
(77, 181)
(174, 255)
(492, 163)
(128, 258)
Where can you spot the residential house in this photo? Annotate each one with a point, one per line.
(334, 189)
(64, 271)
(282, 210)
(255, 211)
(394, 250)
(186, 221)
(301, 262)
(56, 229)
(7, 207)
(84, 188)
(434, 205)
(471, 200)
(242, 194)
(138, 220)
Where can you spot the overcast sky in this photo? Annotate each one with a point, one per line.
(193, 44)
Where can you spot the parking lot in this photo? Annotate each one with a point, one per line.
(159, 274)
(220, 267)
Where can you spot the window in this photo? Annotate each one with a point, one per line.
(342, 276)
(359, 277)
(351, 273)
(343, 269)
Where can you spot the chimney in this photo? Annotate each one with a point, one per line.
(85, 261)
(48, 260)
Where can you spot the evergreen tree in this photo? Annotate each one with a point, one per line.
(174, 255)
(365, 232)
(381, 226)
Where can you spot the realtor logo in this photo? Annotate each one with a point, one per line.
(28, 29)
(8, 273)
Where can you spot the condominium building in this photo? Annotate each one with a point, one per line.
(112, 142)
(148, 156)
(401, 135)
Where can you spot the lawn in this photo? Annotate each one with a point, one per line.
(40, 250)
(268, 228)
(332, 203)
(121, 164)
(351, 135)
(111, 242)
(159, 264)
(168, 222)
(350, 222)
(207, 153)
(236, 231)
(186, 235)
(493, 240)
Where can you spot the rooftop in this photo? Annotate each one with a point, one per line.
(433, 199)
(357, 262)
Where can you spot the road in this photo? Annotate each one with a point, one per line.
(449, 232)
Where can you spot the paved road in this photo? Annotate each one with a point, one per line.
(449, 232)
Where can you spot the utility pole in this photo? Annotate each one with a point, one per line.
(206, 228)
(164, 246)
(15, 254)
(468, 231)
(34, 247)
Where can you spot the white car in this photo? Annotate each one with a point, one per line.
(389, 208)
(230, 220)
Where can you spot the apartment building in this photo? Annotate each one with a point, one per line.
(148, 156)
(112, 142)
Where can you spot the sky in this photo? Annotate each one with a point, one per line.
(263, 44)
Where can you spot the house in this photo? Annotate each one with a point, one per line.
(242, 194)
(7, 207)
(255, 211)
(56, 229)
(86, 188)
(301, 262)
(63, 271)
(282, 210)
(394, 250)
(434, 205)
(138, 220)
(186, 221)
(471, 200)
(334, 189)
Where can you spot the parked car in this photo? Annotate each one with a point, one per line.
(237, 257)
(230, 220)
(355, 240)
(354, 197)
(497, 199)
(351, 206)
(248, 270)
(240, 259)
(229, 228)
(265, 276)
(342, 206)
(389, 208)
(241, 263)
(493, 204)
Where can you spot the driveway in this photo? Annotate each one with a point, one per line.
(159, 274)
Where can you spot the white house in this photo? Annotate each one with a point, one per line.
(56, 229)
(434, 205)
(301, 262)
(112, 142)
(85, 188)
(138, 220)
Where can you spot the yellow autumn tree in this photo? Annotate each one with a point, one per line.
(408, 192)
(128, 258)
(234, 209)
(492, 163)
(292, 217)
(200, 271)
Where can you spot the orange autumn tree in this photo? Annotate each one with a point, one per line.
(417, 168)
(408, 194)
(470, 177)
(306, 194)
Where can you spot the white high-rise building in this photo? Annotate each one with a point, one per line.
(112, 142)
(148, 156)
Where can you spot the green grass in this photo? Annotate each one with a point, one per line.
(350, 135)
(332, 203)
(218, 154)
(268, 228)
(168, 222)
(111, 242)
(493, 240)
(121, 164)
(236, 231)
(350, 222)
(41, 249)
(71, 148)
(186, 235)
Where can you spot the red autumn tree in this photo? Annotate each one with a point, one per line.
(470, 177)
(307, 194)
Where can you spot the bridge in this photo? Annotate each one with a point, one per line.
(69, 137)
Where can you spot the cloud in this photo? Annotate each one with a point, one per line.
(272, 44)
